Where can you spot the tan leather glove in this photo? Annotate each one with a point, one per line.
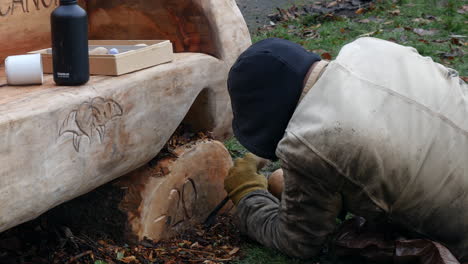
(243, 177)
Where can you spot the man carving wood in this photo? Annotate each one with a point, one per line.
(380, 132)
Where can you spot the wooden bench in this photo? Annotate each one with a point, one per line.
(57, 143)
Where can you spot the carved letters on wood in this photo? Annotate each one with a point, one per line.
(90, 118)
(13, 7)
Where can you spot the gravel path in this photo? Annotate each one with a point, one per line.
(255, 11)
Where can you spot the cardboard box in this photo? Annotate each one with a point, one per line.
(131, 58)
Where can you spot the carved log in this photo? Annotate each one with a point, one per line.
(156, 201)
(159, 206)
(57, 143)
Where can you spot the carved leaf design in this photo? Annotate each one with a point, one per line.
(76, 142)
(85, 119)
(69, 125)
(90, 116)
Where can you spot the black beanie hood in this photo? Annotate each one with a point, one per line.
(265, 84)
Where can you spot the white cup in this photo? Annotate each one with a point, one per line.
(24, 69)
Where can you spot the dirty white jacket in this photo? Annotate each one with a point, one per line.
(383, 134)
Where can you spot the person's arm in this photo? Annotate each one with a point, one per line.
(300, 224)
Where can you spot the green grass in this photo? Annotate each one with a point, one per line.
(258, 255)
(235, 148)
(331, 33)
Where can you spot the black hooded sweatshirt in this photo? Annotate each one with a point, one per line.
(265, 84)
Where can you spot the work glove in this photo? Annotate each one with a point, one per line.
(243, 178)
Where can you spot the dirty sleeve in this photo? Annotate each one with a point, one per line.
(301, 222)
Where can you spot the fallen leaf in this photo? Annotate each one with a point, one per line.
(424, 32)
(342, 30)
(365, 21)
(360, 11)
(368, 34)
(395, 12)
(421, 20)
(332, 4)
(120, 255)
(377, 20)
(423, 40)
(326, 56)
(194, 245)
(455, 41)
(310, 34)
(234, 251)
(404, 38)
(128, 259)
(454, 52)
(430, 17)
(464, 78)
(463, 9)
(318, 51)
(388, 22)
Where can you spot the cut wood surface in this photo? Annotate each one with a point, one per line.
(176, 193)
(183, 22)
(57, 143)
(3, 80)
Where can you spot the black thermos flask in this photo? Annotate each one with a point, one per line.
(69, 25)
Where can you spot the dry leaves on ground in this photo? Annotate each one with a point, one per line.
(454, 52)
(395, 12)
(326, 56)
(337, 8)
(41, 242)
(463, 9)
(425, 32)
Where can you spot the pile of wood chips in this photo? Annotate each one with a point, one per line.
(41, 242)
(70, 234)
